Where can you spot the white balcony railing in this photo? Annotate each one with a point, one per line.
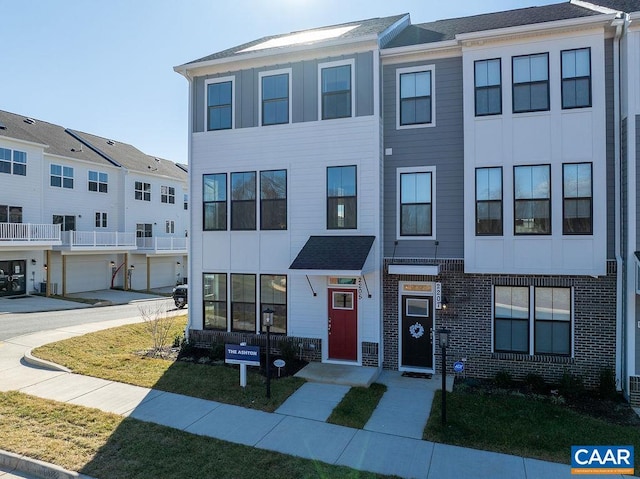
(98, 239)
(163, 243)
(34, 233)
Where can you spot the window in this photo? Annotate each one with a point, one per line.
(142, 191)
(415, 96)
(488, 83)
(243, 302)
(215, 202)
(488, 201)
(531, 83)
(552, 321)
(61, 176)
(275, 98)
(215, 300)
(273, 200)
(243, 201)
(342, 202)
(144, 230)
(169, 227)
(10, 214)
(98, 181)
(167, 194)
(186, 201)
(220, 104)
(511, 319)
(273, 295)
(13, 162)
(336, 94)
(577, 194)
(576, 78)
(101, 220)
(532, 194)
(66, 222)
(416, 204)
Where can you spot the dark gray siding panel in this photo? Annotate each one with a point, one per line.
(441, 146)
(198, 100)
(608, 71)
(310, 91)
(247, 100)
(297, 92)
(364, 84)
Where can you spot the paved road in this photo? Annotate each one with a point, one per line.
(17, 324)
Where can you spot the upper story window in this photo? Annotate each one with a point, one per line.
(577, 195)
(13, 162)
(98, 181)
(142, 191)
(342, 199)
(531, 83)
(101, 220)
(243, 201)
(167, 194)
(488, 201)
(169, 227)
(275, 95)
(576, 78)
(532, 196)
(273, 200)
(214, 198)
(144, 230)
(10, 214)
(415, 96)
(416, 203)
(336, 90)
(61, 176)
(220, 104)
(488, 87)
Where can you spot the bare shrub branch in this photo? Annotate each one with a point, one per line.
(158, 324)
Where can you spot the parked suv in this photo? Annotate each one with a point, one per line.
(180, 295)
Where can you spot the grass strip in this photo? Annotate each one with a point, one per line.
(114, 354)
(357, 405)
(106, 445)
(521, 426)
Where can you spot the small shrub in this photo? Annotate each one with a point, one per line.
(535, 383)
(571, 386)
(216, 352)
(288, 351)
(503, 379)
(607, 385)
(177, 341)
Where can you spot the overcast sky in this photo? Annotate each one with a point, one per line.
(106, 67)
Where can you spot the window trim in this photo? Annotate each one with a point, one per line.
(476, 201)
(62, 176)
(326, 193)
(210, 81)
(476, 87)
(338, 63)
(532, 314)
(286, 199)
(97, 182)
(549, 199)
(143, 190)
(144, 230)
(513, 84)
(225, 201)
(232, 302)
(269, 73)
(233, 227)
(101, 219)
(416, 69)
(226, 300)
(168, 197)
(564, 198)
(416, 169)
(562, 79)
(13, 162)
(494, 319)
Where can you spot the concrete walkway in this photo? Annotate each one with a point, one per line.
(390, 443)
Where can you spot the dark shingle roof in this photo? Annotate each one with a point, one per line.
(443, 30)
(627, 6)
(343, 253)
(364, 28)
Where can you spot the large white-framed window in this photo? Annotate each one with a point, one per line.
(219, 103)
(101, 219)
(167, 194)
(342, 197)
(415, 97)
(61, 176)
(336, 82)
(274, 91)
(532, 199)
(576, 78)
(142, 191)
(13, 162)
(416, 200)
(530, 90)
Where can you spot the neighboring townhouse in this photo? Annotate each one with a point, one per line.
(495, 164)
(72, 219)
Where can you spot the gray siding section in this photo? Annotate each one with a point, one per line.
(611, 181)
(304, 91)
(441, 146)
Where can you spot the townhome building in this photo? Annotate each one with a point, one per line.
(471, 174)
(80, 213)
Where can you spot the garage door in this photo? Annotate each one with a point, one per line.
(163, 272)
(87, 273)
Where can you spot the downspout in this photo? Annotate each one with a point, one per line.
(620, 323)
(191, 209)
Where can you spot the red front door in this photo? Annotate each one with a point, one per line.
(343, 324)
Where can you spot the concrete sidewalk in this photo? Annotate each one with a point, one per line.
(390, 443)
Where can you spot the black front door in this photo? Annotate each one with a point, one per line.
(13, 279)
(417, 332)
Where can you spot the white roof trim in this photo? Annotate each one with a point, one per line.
(327, 272)
(592, 6)
(415, 269)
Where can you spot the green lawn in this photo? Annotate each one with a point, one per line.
(356, 407)
(521, 426)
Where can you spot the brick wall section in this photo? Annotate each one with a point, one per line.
(370, 354)
(469, 318)
(311, 348)
(634, 391)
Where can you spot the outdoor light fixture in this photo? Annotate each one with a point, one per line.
(267, 320)
(45, 267)
(443, 337)
(444, 302)
(178, 263)
(113, 264)
(33, 261)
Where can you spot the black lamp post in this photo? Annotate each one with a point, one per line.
(267, 320)
(444, 343)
